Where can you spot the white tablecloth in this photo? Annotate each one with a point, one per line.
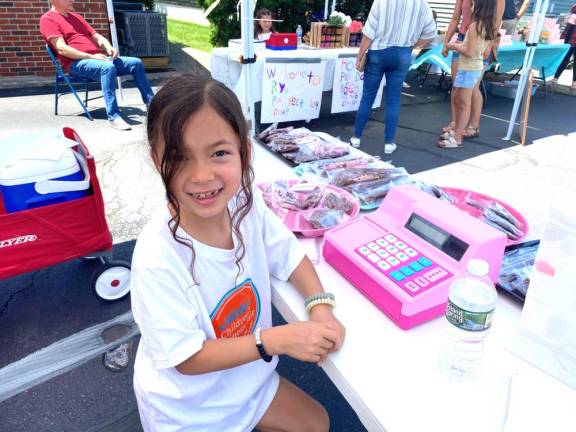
(226, 67)
(391, 376)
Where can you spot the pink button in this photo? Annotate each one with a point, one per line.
(412, 286)
(421, 281)
(435, 274)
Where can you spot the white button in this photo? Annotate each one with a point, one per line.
(382, 253)
(364, 250)
(390, 238)
(391, 249)
(382, 242)
(410, 252)
(373, 246)
(421, 281)
(374, 258)
(393, 261)
(402, 257)
(400, 245)
(383, 265)
(412, 286)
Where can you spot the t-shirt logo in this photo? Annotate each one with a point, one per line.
(238, 311)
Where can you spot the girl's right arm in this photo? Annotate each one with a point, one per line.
(307, 341)
(452, 26)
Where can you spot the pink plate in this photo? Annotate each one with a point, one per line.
(462, 194)
(296, 220)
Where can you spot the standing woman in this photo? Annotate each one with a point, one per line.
(569, 37)
(461, 19)
(393, 28)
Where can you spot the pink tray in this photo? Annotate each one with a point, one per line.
(462, 194)
(296, 221)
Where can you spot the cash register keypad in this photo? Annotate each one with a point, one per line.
(403, 264)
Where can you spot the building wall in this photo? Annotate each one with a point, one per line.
(22, 50)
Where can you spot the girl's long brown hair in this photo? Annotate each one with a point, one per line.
(261, 13)
(169, 111)
(484, 15)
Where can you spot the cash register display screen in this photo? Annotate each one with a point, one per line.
(437, 237)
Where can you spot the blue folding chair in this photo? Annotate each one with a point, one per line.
(61, 76)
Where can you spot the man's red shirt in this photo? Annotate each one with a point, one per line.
(74, 29)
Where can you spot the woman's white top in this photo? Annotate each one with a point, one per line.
(399, 23)
(176, 316)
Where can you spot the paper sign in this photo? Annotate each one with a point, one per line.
(291, 90)
(348, 82)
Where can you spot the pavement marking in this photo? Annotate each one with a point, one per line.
(506, 121)
(61, 357)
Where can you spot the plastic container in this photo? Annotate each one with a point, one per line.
(282, 42)
(36, 174)
(471, 304)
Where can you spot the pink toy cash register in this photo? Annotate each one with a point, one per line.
(404, 255)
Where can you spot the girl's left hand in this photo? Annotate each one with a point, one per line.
(322, 313)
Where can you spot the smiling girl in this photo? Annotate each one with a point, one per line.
(201, 280)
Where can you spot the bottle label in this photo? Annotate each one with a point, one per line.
(466, 320)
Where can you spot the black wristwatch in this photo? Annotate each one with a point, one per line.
(265, 356)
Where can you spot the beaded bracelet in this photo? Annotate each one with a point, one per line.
(313, 303)
(320, 298)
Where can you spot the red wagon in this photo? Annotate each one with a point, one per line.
(39, 237)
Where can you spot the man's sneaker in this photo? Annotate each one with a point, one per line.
(389, 148)
(117, 359)
(355, 142)
(119, 123)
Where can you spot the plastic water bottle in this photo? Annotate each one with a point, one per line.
(299, 34)
(469, 313)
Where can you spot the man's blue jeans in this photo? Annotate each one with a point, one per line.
(394, 63)
(107, 71)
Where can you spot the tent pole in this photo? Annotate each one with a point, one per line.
(114, 37)
(247, 31)
(537, 24)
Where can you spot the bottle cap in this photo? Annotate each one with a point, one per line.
(478, 267)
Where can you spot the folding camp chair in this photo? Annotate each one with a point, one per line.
(61, 76)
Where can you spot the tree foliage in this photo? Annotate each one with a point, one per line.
(226, 25)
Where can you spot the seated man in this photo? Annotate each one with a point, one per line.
(80, 50)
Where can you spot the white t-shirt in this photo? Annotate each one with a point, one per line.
(176, 316)
(264, 36)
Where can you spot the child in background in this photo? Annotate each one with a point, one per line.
(479, 38)
(201, 280)
(263, 28)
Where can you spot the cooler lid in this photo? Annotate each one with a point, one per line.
(27, 158)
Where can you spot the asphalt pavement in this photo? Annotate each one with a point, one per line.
(39, 309)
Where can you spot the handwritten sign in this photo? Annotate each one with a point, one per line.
(347, 89)
(291, 89)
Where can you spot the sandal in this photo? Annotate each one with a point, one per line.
(449, 143)
(446, 135)
(471, 132)
(449, 128)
